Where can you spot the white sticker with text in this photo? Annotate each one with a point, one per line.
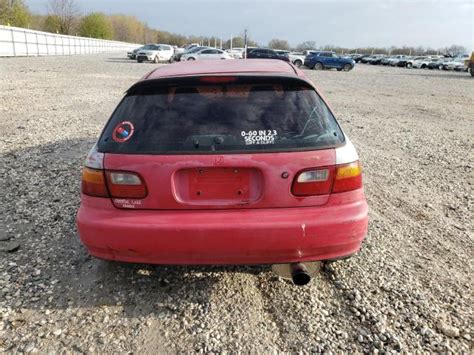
(266, 136)
(127, 203)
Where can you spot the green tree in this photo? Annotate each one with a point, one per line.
(307, 45)
(14, 14)
(66, 12)
(96, 25)
(128, 29)
(279, 44)
(52, 23)
(238, 42)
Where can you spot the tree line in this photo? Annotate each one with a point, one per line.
(65, 17)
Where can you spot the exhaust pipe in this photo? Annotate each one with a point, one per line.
(300, 273)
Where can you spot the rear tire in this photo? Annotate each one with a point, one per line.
(347, 67)
(440, 67)
(191, 58)
(156, 60)
(318, 66)
(409, 65)
(298, 63)
(423, 66)
(472, 70)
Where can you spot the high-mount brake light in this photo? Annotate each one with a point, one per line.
(218, 79)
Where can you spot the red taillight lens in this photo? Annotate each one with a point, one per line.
(348, 177)
(322, 181)
(123, 184)
(93, 183)
(313, 182)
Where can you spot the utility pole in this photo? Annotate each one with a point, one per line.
(231, 38)
(245, 44)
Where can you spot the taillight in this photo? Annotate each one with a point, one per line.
(348, 177)
(124, 184)
(313, 182)
(93, 183)
(98, 182)
(323, 181)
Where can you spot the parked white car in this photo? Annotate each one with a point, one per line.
(156, 53)
(423, 63)
(206, 53)
(296, 58)
(395, 59)
(133, 54)
(237, 53)
(456, 64)
(186, 48)
(413, 60)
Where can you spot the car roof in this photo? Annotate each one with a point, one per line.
(219, 67)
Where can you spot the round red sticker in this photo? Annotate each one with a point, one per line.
(123, 132)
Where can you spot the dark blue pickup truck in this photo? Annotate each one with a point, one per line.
(328, 60)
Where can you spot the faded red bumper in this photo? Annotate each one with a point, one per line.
(250, 236)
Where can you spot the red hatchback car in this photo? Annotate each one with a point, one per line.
(223, 162)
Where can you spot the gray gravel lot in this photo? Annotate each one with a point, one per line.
(409, 289)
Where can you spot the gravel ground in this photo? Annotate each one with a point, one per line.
(409, 289)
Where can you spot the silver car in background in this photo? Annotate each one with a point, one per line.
(206, 53)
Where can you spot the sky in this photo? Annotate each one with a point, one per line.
(347, 23)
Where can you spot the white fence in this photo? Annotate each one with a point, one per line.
(16, 41)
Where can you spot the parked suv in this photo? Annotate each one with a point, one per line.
(328, 60)
(223, 162)
(156, 53)
(133, 54)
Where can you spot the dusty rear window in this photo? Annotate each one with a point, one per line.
(236, 114)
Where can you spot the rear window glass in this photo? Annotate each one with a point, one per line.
(241, 115)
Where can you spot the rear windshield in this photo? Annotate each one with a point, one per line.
(237, 114)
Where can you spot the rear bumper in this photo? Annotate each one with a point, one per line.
(243, 236)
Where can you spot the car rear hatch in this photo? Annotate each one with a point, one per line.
(222, 142)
